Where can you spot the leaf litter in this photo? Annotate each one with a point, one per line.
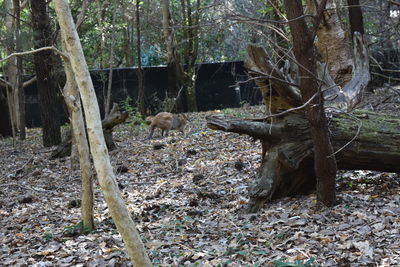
(187, 198)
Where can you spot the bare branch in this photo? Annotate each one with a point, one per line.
(65, 56)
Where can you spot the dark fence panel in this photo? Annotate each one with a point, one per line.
(217, 87)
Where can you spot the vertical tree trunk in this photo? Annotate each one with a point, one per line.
(19, 94)
(190, 34)
(355, 17)
(303, 47)
(99, 151)
(139, 72)
(48, 100)
(174, 67)
(72, 99)
(5, 124)
(107, 100)
(11, 71)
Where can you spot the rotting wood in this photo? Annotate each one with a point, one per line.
(287, 168)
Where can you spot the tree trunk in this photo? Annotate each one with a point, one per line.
(174, 67)
(107, 98)
(101, 160)
(332, 43)
(303, 47)
(355, 17)
(19, 93)
(114, 118)
(139, 72)
(5, 124)
(48, 100)
(362, 140)
(72, 99)
(191, 44)
(12, 69)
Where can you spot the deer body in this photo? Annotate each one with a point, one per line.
(167, 121)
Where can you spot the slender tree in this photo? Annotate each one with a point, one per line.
(191, 20)
(5, 125)
(139, 71)
(18, 89)
(303, 47)
(174, 67)
(101, 160)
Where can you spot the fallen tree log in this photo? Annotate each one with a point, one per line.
(362, 140)
(114, 118)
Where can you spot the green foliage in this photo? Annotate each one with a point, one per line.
(48, 236)
(135, 117)
(75, 230)
(296, 263)
(234, 112)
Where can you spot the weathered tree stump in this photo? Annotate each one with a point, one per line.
(287, 166)
(362, 140)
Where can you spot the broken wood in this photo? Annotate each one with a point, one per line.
(361, 139)
(114, 118)
(287, 166)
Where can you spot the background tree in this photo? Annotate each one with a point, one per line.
(139, 71)
(174, 66)
(44, 64)
(355, 17)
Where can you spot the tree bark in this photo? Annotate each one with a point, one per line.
(107, 98)
(72, 99)
(12, 69)
(332, 43)
(355, 17)
(362, 140)
(5, 124)
(174, 67)
(139, 71)
(101, 160)
(19, 93)
(303, 47)
(48, 100)
(191, 43)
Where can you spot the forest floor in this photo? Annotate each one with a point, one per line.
(188, 201)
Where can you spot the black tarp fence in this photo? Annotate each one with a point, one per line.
(218, 86)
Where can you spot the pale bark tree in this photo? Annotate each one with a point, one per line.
(12, 69)
(332, 42)
(107, 95)
(19, 94)
(99, 152)
(72, 99)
